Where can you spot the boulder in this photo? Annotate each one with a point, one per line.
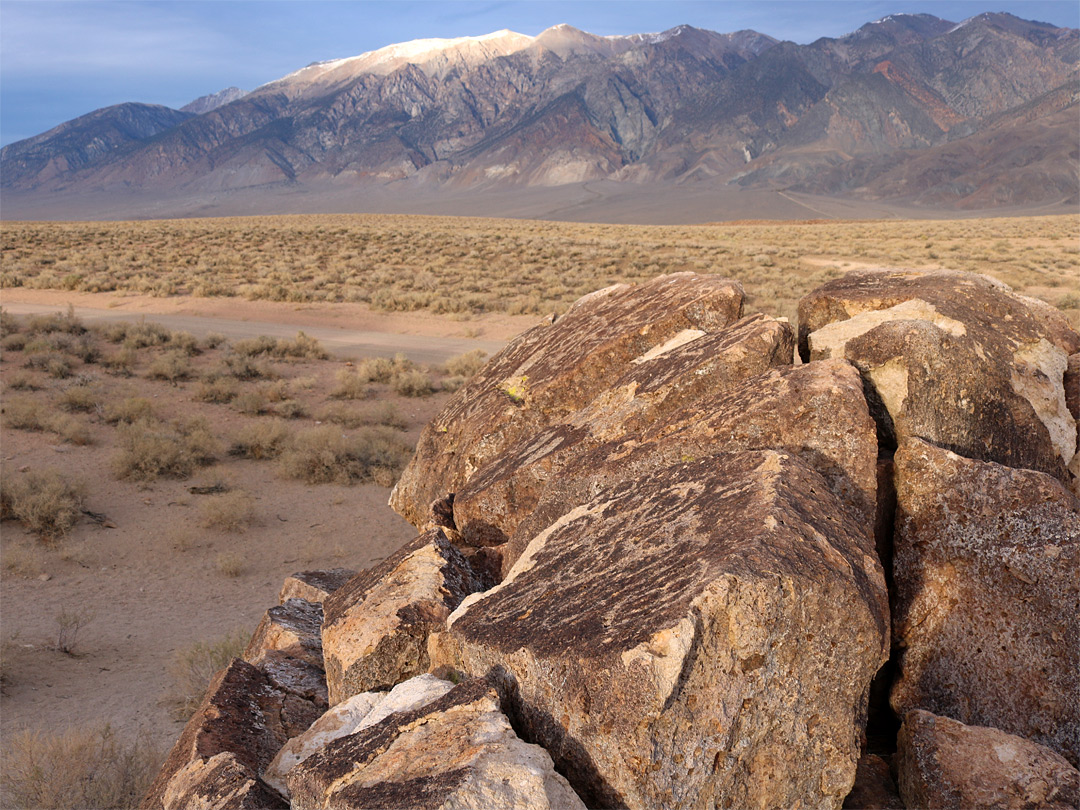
(946, 765)
(953, 358)
(987, 597)
(293, 628)
(314, 586)
(704, 635)
(295, 675)
(457, 751)
(218, 761)
(874, 788)
(375, 628)
(554, 369)
(349, 717)
(658, 390)
(816, 411)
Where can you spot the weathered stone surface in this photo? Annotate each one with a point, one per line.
(555, 369)
(816, 411)
(946, 765)
(293, 628)
(953, 358)
(375, 628)
(987, 599)
(654, 391)
(314, 586)
(243, 716)
(455, 752)
(295, 675)
(350, 716)
(706, 634)
(219, 783)
(874, 788)
(954, 294)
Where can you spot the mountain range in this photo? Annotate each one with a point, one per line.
(909, 110)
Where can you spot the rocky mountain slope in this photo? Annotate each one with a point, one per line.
(658, 564)
(877, 113)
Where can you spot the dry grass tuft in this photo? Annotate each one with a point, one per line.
(324, 455)
(192, 667)
(229, 512)
(44, 502)
(149, 449)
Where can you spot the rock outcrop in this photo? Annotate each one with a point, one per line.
(653, 548)
(458, 751)
(953, 358)
(987, 600)
(946, 765)
(376, 626)
(553, 370)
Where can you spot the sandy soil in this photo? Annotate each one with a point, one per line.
(152, 584)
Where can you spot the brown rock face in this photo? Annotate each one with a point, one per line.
(292, 628)
(874, 788)
(375, 628)
(816, 411)
(456, 752)
(314, 586)
(655, 392)
(946, 765)
(953, 358)
(987, 601)
(555, 369)
(703, 636)
(220, 756)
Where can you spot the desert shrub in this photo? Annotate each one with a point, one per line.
(184, 342)
(84, 348)
(9, 324)
(121, 363)
(382, 413)
(246, 367)
(192, 667)
(350, 385)
(217, 389)
(466, 365)
(173, 366)
(252, 347)
(324, 455)
(150, 449)
(80, 398)
(67, 323)
(15, 342)
(23, 413)
(20, 380)
(128, 410)
(260, 440)
(76, 768)
(44, 502)
(375, 369)
(53, 363)
(252, 403)
(412, 383)
(139, 335)
(290, 409)
(229, 564)
(300, 347)
(69, 429)
(214, 339)
(229, 512)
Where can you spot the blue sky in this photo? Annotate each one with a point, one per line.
(62, 59)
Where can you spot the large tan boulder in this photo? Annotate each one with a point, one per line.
(457, 751)
(314, 586)
(953, 358)
(554, 369)
(656, 391)
(987, 599)
(293, 628)
(375, 627)
(816, 411)
(946, 765)
(704, 636)
(226, 745)
(350, 716)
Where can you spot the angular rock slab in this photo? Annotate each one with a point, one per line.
(234, 734)
(349, 717)
(946, 765)
(314, 586)
(953, 358)
(489, 507)
(705, 634)
(375, 628)
(552, 370)
(816, 411)
(458, 751)
(987, 600)
(293, 628)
